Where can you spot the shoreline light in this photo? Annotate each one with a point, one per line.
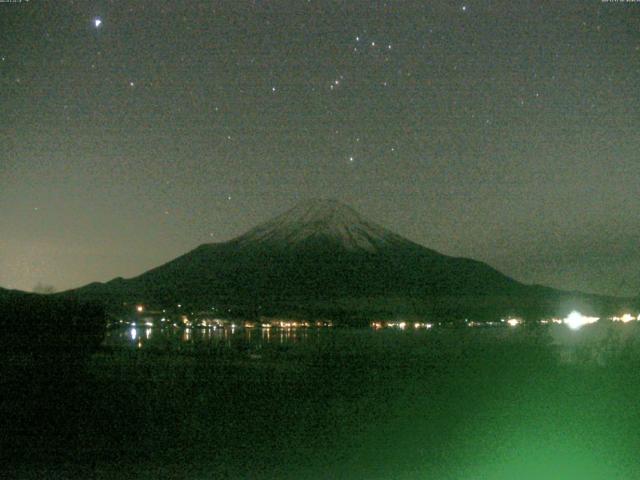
(575, 320)
(626, 318)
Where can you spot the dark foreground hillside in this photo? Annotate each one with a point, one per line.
(44, 348)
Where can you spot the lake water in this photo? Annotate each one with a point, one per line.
(209, 338)
(332, 403)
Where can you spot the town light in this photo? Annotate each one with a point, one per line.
(627, 317)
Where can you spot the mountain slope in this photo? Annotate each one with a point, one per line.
(318, 255)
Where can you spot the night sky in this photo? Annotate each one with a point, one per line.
(505, 131)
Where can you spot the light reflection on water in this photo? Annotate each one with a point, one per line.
(599, 343)
(139, 337)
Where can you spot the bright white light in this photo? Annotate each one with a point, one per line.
(133, 333)
(627, 317)
(140, 308)
(97, 22)
(513, 322)
(575, 320)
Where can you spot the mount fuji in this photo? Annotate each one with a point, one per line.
(321, 258)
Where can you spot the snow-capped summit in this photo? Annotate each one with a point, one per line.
(321, 219)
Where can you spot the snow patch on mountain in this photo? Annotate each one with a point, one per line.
(327, 219)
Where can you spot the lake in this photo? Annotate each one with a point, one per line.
(333, 403)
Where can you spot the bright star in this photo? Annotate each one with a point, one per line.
(97, 22)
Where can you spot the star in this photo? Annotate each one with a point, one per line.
(97, 22)
(464, 8)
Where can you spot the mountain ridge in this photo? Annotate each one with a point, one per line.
(321, 255)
